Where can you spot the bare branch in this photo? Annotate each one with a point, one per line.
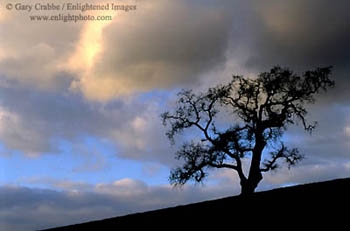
(291, 157)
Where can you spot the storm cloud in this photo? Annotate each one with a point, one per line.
(301, 35)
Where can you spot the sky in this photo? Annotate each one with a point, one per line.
(81, 136)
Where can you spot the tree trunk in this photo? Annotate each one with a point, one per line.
(249, 185)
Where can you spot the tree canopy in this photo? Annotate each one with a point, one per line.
(261, 109)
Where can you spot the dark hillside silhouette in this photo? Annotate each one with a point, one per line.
(260, 110)
(310, 204)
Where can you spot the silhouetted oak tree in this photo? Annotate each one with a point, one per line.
(262, 108)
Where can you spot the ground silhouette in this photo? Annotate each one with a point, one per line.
(309, 205)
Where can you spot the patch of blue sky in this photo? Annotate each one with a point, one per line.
(92, 161)
(158, 96)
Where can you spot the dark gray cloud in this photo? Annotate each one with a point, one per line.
(301, 35)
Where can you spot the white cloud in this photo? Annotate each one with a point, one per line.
(307, 173)
(347, 131)
(123, 188)
(77, 202)
(19, 135)
(25, 207)
(36, 126)
(35, 60)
